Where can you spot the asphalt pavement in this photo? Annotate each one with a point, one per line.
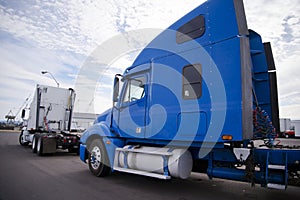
(24, 175)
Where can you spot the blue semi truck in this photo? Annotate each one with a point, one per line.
(196, 98)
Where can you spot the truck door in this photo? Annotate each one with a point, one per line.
(133, 107)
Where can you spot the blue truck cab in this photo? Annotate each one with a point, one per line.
(196, 95)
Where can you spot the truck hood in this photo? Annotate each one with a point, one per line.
(103, 116)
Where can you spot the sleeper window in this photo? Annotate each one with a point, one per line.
(193, 29)
(192, 81)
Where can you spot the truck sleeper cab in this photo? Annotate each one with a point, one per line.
(189, 98)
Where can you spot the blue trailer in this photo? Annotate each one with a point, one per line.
(195, 99)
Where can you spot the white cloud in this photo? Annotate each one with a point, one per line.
(80, 26)
(58, 36)
(278, 22)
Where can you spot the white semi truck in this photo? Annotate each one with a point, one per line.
(49, 121)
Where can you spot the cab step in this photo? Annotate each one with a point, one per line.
(143, 173)
(276, 173)
(279, 167)
(276, 186)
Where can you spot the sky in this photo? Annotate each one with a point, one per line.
(60, 36)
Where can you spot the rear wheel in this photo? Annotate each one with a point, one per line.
(39, 146)
(22, 140)
(97, 159)
(34, 143)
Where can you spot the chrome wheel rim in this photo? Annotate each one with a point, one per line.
(95, 157)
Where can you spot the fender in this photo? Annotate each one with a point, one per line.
(100, 131)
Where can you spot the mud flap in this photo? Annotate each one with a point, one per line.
(49, 145)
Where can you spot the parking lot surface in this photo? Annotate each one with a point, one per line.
(24, 175)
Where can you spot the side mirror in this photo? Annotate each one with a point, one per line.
(116, 89)
(23, 113)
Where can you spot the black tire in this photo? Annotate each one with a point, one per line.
(97, 159)
(34, 143)
(39, 146)
(22, 143)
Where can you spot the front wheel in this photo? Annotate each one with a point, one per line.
(97, 159)
(22, 141)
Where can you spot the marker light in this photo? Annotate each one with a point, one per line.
(227, 137)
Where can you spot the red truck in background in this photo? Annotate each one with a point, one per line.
(288, 133)
(287, 130)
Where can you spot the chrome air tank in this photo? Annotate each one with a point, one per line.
(177, 162)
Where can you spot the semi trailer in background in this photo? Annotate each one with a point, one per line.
(296, 127)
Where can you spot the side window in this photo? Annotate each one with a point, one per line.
(191, 30)
(192, 81)
(135, 89)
